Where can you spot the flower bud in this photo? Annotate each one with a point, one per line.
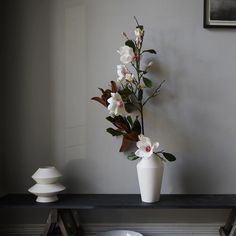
(138, 32)
(129, 77)
(125, 35)
(142, 86)
(150, 64)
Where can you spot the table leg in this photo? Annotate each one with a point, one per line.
(62, 226)
(230, 226)
(69, 223)
(66, 220)
(51, 223)
(77, 222)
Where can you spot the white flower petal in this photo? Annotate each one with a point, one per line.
(116, 111)
(120, 79)
(141, 137)
(126, 54)
(145, 147)
(123, 59)
(110, 100)
(147, 154)
(121, 71)
(123, 111)
(148, 141)
(140, 144)
(155, 146)
(111, 106)
(118, 97)
(140, 153)
(145, 140)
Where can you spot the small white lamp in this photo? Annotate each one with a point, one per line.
(47, 186)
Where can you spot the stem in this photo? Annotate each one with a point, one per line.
(140, 74)
(154, 93)
(142, 118)
(140, 104)
(136, 20)
(157, 153)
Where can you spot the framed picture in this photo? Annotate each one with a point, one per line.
(219, 13)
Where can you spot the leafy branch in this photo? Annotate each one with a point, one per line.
(129, 94)
(155, 93)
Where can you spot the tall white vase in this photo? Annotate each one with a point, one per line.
(150, 172)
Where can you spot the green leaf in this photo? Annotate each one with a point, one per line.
(132, 156)
(169, 156)
(125, 92)
(147, 82)
(136, 126)
(150, 51)
(140, 94)
(130, 107)
(123, 122)
(131, 44)
(114, 132)
(110, 118)
(140, 27)
(129, 118)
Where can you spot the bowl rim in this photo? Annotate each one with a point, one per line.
(119, 231)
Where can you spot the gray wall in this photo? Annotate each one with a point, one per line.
(194, 117)
(56, 55)
(26, 91)
(1, 106)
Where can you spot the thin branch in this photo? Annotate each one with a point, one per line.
(157, 153)
(154, 93)
(136, 20)
(137, 108)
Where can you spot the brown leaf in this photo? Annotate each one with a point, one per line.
(122, 126)
(118, 125)
(106, 95)
(125, 144)
(113, 87)
(102, 90)
(100, 100)
(133, 136)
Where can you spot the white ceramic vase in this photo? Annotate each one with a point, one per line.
(150, 172)
(47, 186)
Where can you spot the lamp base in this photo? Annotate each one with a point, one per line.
(47, 199)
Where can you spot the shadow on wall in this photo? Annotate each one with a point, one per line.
(186, 125)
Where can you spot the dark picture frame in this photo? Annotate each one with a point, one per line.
(219, 13)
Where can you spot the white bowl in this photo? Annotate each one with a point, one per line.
(46, 175)
(119, 233)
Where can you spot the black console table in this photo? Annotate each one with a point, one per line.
(64, 212)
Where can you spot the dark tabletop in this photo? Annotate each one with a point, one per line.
(92, 201)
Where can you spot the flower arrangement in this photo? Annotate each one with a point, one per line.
(126, 98)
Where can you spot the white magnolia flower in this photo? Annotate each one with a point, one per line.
(126, 54)
(121, 72)
(116, 105)
(145, 147)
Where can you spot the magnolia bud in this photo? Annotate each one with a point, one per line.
(125, 35)
(150, 64)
